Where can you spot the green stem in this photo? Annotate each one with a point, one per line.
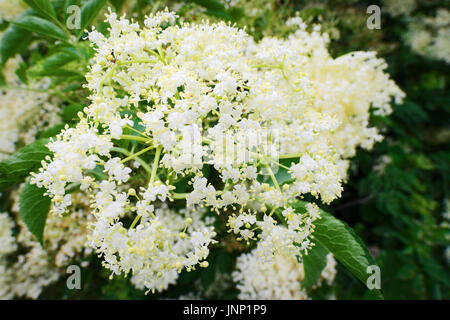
(128, 153)
(137, 131)
(134, 138)
(155, 165)
(274, 179)
(152, 178)
(271, 212)
(136, 154)
(135, 221)
(290, 156)
(279, 164)
(108, 75)
(279, 215)
(179, 196)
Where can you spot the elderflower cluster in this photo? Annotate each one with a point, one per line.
(220, 284)
(65, 238)
(348, 87)
(157, 249)
(24, 111)
(381, 163)
(185, 99)
(328, 273)
(430, 36)
(7, 246)
(446, 225)
(10, 9)
(26, 272)
(252, 8)
(398, 8)
(7, 242)
(279, 280)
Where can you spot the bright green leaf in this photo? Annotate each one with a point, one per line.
(214, 8)
(18, 166)
(59, 59)
(70, 112)
(89, 11)
(33, 208)
(60, 72)
(14, 39)
(53, 131)
(117, 4)
(212, 5)
(41, 26)
(344, 244)
(44, 7)
(314, 262)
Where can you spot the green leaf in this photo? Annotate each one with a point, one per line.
(314, 262)
(52, 131)
(207, 275)
(117, 4)
(212, 5)
(434, 269)
(282, 175)
(21, 72)
(70, 112)
(219, 14)
(213, 8)
(344, 244)
(33, 208)
(44, 7)
(224, 261)
(41, 26)
(59, 59)
(423, 162)
(14, 39)
(88, 13)
(17, 167)
(72, 87)
(60, 72)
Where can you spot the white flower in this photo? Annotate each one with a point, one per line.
(218, 112)
(278, 280)
(117, 170)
